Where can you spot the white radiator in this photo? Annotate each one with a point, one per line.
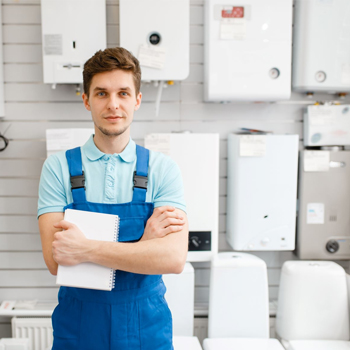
(37, 329)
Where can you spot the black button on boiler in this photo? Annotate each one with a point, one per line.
(154, 38)
(332, 246)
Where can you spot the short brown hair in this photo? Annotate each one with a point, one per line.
(108, 60)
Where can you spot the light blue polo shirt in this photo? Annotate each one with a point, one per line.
(109, 179)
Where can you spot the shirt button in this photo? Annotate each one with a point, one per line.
(111, 168)
(106, 157)
(110, 183)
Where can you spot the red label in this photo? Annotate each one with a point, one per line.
(236, 12)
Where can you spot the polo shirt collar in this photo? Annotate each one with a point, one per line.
(93, 153)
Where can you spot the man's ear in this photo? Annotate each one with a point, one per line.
(86, 101)
(138, 101)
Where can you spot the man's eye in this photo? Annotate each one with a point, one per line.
(124, 93)
(101, 94)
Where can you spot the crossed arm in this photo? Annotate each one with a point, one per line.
(162, 249)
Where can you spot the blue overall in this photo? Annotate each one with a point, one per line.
(134, 315)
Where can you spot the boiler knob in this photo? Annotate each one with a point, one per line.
(332, 246)
(320, 76)
(195, 241)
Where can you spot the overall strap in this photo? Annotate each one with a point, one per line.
(77, 177)
(140, 175)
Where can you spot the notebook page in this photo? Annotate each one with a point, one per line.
(103, 227)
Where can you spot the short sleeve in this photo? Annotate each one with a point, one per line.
(170, 191)
(52, 197)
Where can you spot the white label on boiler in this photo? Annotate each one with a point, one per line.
(158, 143)
(153, 57)
(315, 213)
(233, 29)
(252, 146)
(316, 161)
(321, 115)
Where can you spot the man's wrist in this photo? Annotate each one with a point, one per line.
(92, 249)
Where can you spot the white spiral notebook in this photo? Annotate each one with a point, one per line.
(97, 226)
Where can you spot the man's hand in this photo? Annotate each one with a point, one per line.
(163, 221)
(70, 246)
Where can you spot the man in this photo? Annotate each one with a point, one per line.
(109, 174)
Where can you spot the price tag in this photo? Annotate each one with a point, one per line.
(321, 115)
(252, 146)
(233, 29)
(153, 57)
(158, 143)
(316, 161)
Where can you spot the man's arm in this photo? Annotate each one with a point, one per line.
(156, 253)
(156, 256)
(47, 231)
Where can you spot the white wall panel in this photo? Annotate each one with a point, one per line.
(16, 187)
(18, 206)
(24, 73)
(34, 278)
(21, 34)
(18, 224)
(22, 260)
(20, 168)
(29, 53)
(21, 14)
(196, 54)
(23, 242)
(28, 149)
(25, 293)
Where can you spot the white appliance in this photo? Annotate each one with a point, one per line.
(197, 155)
(64, 139)
(180, 298)
(262, 175)
(327, 125)
(37, 329)
(248, 46)
(313, 308)
(239, 304)
(72, 31)
(15, 344)
(324, 205)
(321, 46)
(157, 33)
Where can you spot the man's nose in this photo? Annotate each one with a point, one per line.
(113, 103)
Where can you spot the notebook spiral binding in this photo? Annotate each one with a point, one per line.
(115, 238)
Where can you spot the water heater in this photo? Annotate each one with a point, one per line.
(198, 158)
(327, 125)
(248, 46)
(262, 175)
(157, 33)
(321, 46)
(324, 205)
(72, 31)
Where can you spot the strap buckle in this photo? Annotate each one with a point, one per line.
(77, 181)
(140, 181)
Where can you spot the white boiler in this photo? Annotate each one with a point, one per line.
(157, 32)
(262, 191)
(248, 46)
(72, 31)
(326, 125)
(197, 155)
(321, 46)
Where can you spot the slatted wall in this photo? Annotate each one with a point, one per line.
(32, 107)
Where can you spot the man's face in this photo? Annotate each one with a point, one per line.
(112, 102)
